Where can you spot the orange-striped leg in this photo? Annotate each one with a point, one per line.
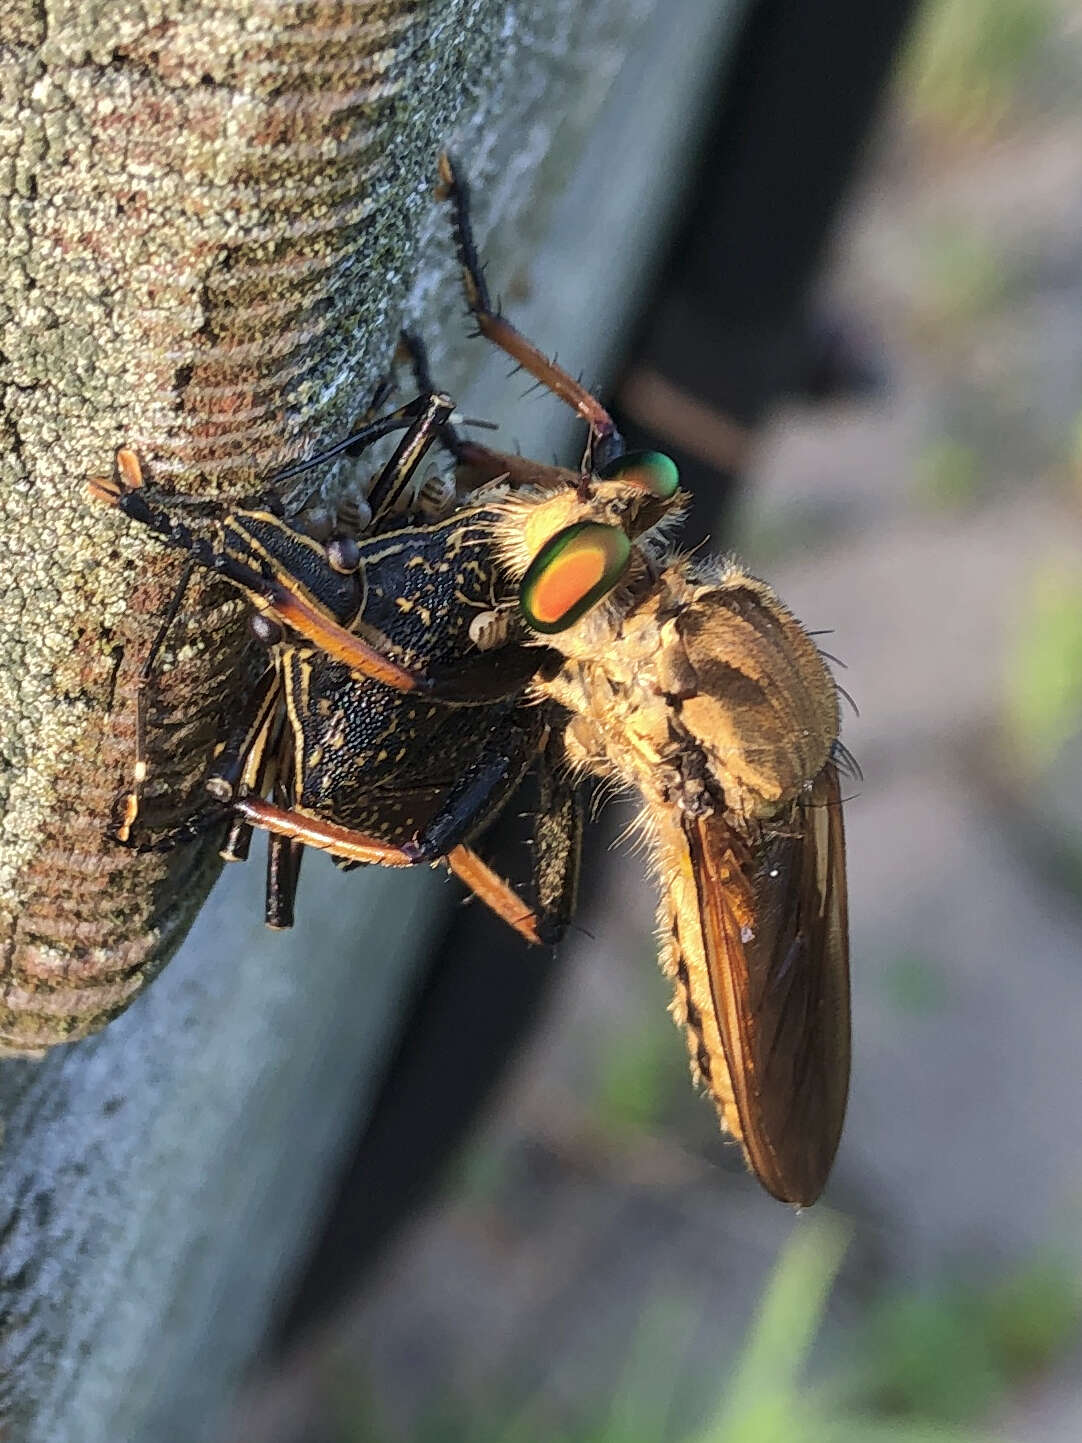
(497, 894)
(356, 847)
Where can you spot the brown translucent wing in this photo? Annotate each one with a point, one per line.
(772, 910)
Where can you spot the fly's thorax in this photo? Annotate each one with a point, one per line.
(622, 719)
(698, 688)
(270, 546)
(748, 686)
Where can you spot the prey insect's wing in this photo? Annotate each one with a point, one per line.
(774, 938)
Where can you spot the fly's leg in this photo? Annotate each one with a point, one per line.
(499, 896)
(476, 464)
(356, 847)
(604, 443)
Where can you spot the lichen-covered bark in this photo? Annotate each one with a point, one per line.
(196, 202)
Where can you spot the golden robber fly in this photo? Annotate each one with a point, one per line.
(549, 619)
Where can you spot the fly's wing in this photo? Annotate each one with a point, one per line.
(774, 935)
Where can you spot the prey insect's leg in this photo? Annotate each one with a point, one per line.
(189, 831)
(283, 873)
(605, 442)
(470, 804)
(341, 842)
(417, 355)
(238, 841)
(284, 854)
(356, 847)
(355, 443)
(244, 760)
(475, 801)
(478, 464)
(239, 760)
(483, 789)
(409, 453)
(128, 805)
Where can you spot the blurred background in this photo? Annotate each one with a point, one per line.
(871, 370)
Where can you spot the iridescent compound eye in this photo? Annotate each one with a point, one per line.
(572, 572)
(652, 471)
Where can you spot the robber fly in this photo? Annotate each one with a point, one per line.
(549, 620)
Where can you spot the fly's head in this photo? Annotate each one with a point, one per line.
(579, 554)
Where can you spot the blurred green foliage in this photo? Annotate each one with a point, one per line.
(640, 1073)
(964, 276)
(917, 1369)
(917, 986)
(1044, 664)
(953, 1354)
(968, 60)
(947, 474)
(1074, 454)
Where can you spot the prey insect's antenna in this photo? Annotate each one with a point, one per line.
(354, 444)
(426, 427)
